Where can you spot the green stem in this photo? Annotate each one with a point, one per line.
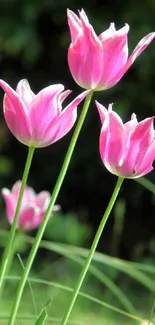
(8, 248)
(92, 249)
(49, 210)
(146, 183)
(13, 252)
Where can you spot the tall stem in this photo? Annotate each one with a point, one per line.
(49, 210)
(92, 249)
(7, 252)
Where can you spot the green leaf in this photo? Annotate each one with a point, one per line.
(43, 315)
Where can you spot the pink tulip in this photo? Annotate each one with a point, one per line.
(99, 62)
(127, 150)
(38, 120)
(32, 209)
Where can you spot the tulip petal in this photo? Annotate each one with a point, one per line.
(139, 141)
(115, 53)
(116, 140)
(60, 127)
(142, 45)
(10, 204)
(74, 24)
(147, 160)
(102, 111)
(83, 65)
(42, 200)
(111, 137)
(45, 110)
(27, 216)
(16, 114)
(29, 193)
(61, 99)
(24, 91)
(44, 104)
(32, 209)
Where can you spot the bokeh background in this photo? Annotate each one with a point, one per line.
(34, 38)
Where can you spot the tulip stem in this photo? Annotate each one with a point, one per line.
(92, 249)
(8, 249)
(54, 196)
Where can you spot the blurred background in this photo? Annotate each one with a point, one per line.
(34, 38)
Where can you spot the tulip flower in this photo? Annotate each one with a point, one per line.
(99, 62)
(127, 150)
(38, 120)
(33, 206)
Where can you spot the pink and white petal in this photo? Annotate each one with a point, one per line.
(102, 111)
(109, 33)
(44, 107)
(17, 121)
(112, 33)
(30, 193)
(37, 220)
(129, 128)
(60, 127)
(148, 158)
(146, 171)
(134, 153)
(13, 96)
(24, 91)
(68, 116)
(83, 65)
(143, 133)
(115, 55)
(42, 200)
(115, 147)
(55, 130)
(137, 145)
(10, 204)
(28, 197)
(70, 107)
(110, 82)
(61, 98)
(56, 208)
(74, 24)
(142, 45)
(103, 142)
(111, 137)
(83, 18)
(12, 100)
(16, 188)
(13, 106)
(129, 161)
(26, 218)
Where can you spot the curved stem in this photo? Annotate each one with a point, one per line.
(92, 249)
(50, 207)
(8, 248)
(146, 183)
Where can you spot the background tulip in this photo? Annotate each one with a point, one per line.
(32, 209)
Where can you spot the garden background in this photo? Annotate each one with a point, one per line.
(34, 38)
